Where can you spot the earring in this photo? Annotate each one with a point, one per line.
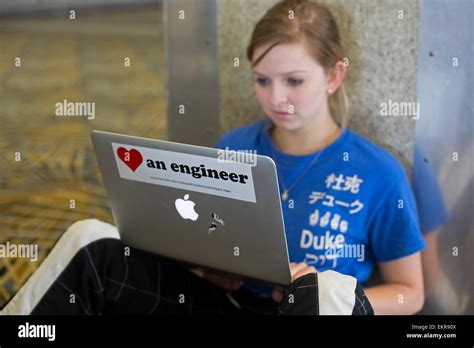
(329, 90)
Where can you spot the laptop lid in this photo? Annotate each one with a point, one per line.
(204, 206)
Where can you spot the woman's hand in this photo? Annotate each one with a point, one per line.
(297, 270)
(300, 269)
(223, 280)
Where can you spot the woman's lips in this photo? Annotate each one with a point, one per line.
(282, 114)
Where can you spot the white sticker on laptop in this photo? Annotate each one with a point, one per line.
(184, 171)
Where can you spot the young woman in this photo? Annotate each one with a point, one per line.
(347, 202)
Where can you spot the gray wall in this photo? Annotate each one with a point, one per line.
(382, 51)
(445, 138)
(192, 78)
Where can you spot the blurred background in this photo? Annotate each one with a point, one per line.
(80, 60)
(176, 69)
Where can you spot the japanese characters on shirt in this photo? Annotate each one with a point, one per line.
(329, 212)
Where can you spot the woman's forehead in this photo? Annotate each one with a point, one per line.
(283, 59)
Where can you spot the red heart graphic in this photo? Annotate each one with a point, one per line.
(132, 158)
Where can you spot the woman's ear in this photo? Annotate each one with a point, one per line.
(335, 76)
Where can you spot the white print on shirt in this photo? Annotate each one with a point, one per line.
(320, 260)
(321, 242)
(333, 242)
(330, 201)
(356, 251)
(334, 245)
(351, 183)
(327, 241)
(323, 221)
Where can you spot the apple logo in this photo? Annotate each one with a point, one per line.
(185, 208)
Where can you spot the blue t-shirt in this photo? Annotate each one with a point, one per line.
(354, 207)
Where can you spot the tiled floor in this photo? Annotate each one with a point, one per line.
(47, 160)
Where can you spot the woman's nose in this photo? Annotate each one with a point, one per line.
(277, 96)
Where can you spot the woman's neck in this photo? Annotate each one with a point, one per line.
(307, 140)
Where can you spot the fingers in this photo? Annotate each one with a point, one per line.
(301, 269)
(304, 272)
(296, 267)
(277, 294)
(233, 283)
(297, 270)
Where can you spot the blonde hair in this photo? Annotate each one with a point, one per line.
(312, 24)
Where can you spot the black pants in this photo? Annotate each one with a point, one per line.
(90, 271)
(106, 277)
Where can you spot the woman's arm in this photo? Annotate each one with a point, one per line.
(402, 291)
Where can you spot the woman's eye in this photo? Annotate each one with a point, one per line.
(262, 81)
(294, 82)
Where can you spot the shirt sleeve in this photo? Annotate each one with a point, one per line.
(220, 143)
(224, 141)
(394, 231)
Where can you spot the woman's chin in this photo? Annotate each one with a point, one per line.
(286, 124)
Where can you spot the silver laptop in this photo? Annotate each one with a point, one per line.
(203, 206)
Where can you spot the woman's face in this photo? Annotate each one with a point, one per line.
(290, 86)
